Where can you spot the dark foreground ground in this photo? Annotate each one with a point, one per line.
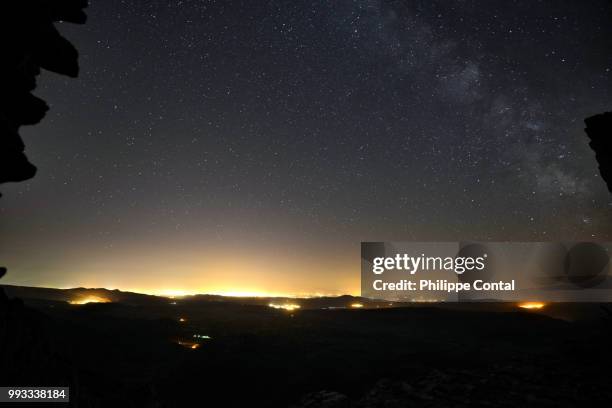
(117, 354)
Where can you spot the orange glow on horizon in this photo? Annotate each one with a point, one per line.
(356, 305)
(177, 294)
(250, 293)
(237, 268)
(89, 299)
(531, 305)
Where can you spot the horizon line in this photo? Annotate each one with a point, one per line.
(179, 294)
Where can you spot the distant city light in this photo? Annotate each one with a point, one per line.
(531, 305)
(202, 336)
(89, 299)
(188, 344)
(288, 306)
(356, 305)
(173, 293)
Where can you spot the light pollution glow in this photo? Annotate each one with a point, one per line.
(89, 299)
(531, 305)
(244, 272)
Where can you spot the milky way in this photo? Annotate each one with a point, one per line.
(307, 127)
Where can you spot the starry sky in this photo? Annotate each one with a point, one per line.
(247, 147)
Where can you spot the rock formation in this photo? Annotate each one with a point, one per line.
(599, 130)
(30, 41)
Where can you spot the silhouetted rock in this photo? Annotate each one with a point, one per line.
(599, 130)
(30, 42)
(3, 298)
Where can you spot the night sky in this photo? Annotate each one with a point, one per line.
(248, 147)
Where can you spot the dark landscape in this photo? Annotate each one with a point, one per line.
(126, 349)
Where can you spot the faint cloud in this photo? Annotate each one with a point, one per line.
(553, 179)
(463, 83)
